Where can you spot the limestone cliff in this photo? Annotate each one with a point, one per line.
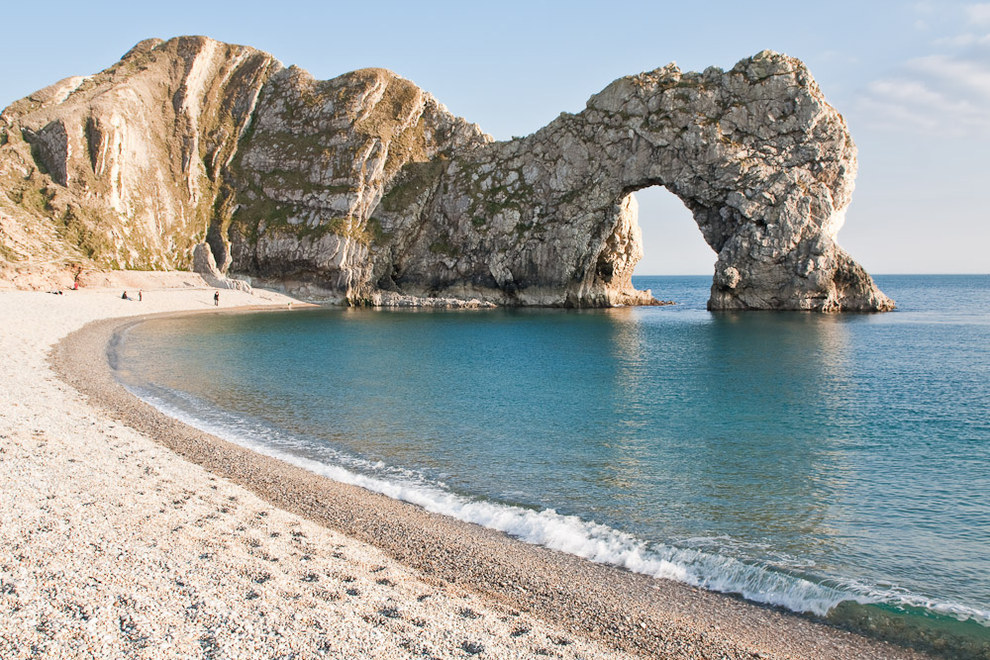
(123, 167)
(315, 164)
(367, 187)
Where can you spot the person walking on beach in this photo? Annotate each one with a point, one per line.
(140, 295)
(216, 298)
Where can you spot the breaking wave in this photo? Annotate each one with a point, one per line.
(760, 582)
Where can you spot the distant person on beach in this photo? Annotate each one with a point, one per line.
(123, 296)
(216, 298)
(140, 295)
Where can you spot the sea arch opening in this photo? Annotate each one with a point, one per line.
(672, 243)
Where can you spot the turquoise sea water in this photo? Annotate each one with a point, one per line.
(837, 465)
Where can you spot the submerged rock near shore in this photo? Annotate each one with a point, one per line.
(369, 189)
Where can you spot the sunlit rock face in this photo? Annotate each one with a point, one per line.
(765, 165)
(366, 187)
(122, 169)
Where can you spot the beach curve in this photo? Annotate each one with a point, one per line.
(423, 582)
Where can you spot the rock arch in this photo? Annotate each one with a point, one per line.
(763, 163)
(367, 187)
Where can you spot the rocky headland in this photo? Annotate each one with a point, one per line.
(366, 189)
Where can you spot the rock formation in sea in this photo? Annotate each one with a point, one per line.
(368, 188)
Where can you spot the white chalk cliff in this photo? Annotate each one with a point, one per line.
(367, 187)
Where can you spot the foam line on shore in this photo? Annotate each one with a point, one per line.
(565, 533)
(546, 527)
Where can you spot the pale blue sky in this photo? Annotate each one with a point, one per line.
(911, 78)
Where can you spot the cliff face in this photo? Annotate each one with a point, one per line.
(122, 168)
(314, 166)
(366, 186)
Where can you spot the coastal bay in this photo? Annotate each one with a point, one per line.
(131, 533)
(494, 331)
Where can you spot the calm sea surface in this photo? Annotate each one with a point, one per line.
(837, 465)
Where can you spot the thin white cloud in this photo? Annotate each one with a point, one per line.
(968, 78)
(967, 40)
(978, 14)
(945, 93)
(937, 94)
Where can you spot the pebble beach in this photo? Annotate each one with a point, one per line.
(125, 533)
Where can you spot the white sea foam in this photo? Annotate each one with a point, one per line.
(547, 527)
